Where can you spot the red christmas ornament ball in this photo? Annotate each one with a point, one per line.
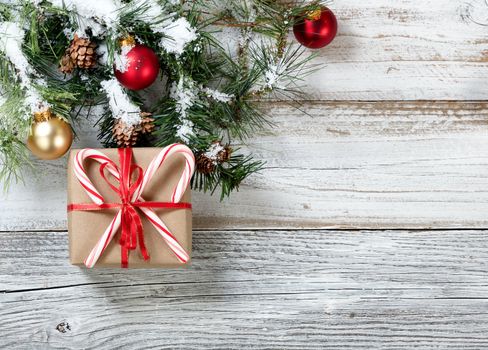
(317, 29)
(142, 70)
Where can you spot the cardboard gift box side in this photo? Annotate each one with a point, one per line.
(86, 227)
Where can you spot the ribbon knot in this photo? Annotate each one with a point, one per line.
(132, 231)
(131, 182)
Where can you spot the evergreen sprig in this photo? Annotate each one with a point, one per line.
(223, 86)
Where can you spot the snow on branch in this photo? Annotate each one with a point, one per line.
(120, 105)
(11, 42)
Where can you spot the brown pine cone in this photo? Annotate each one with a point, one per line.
(125, 135)
(66, 65)
(81, 52)
(128, 135)
(147, 123)
(224, 155)
(223, 152)
(205, 165)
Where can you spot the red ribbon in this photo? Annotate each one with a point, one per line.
(132, 231)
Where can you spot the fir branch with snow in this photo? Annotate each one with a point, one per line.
(216, 58)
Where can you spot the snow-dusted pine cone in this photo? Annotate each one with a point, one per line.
(224, 155)
(128, 135)
(216, 154)
(125, 135)
(205, 164)
(81, 53)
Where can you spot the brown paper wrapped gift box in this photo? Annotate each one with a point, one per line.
(86, 227)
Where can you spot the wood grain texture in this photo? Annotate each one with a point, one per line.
(341, 165)
(254, 289)
(397, 50)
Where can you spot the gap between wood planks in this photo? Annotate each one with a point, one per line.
(111, 285)
(258, 293)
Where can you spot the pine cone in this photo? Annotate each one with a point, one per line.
(125, 135)
(128, 135)
(147, 123)
(220, 152)
(66, 65)
(224, 155)
(205, 165)
(81, 53)
(216, 154)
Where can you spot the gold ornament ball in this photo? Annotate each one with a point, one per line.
(50, 139)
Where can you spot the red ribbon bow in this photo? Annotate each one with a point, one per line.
(132, 231)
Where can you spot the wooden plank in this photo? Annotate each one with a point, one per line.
(397, 50)
(342, 165)
(254, 289)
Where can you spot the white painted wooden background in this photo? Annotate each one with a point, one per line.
(365, 230)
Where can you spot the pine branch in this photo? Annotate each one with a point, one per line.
(14, 159)
(222, 87)
(228, 176)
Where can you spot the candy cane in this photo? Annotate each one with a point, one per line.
(159, 160)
